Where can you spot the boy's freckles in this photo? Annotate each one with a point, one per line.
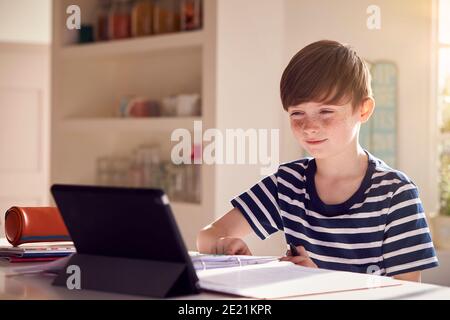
(311, 123)
(317, 123)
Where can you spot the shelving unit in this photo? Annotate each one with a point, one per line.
(88, 81)
(222, 62)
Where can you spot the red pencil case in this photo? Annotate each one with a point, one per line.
(34, 224)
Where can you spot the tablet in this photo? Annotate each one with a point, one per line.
(132, 223)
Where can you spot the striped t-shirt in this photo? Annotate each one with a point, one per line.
(380, 229)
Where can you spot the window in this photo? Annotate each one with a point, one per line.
(444, 102)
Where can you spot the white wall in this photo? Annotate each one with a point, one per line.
(404, 39)
(25, 21)
(249, 62)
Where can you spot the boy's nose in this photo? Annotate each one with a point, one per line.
(310, 126)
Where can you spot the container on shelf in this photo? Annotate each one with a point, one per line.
(138, 107)
(141, 18)
(196, 158)
(149, 157)
(169, 106)
(103, 10)
(120, 169)
(135, 173)
(103, 171)
(188, 105)
(113, 171)
(182, 182)
(182, 105)
(144, 169)
(86, 33)
(190, 14)
(178, 184)
(120, 19)
(166, 16)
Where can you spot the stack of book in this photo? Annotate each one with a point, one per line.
(35, 252)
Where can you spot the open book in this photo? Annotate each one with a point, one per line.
(213, 261)
(284, 279)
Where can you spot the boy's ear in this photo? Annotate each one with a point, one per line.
(366, 109)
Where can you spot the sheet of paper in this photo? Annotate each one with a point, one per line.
(44, 267)
(284, 279)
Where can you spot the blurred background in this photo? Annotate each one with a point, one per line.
(91, 94)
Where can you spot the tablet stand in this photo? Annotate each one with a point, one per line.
(151, 278)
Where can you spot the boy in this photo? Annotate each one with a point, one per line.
(343, 208)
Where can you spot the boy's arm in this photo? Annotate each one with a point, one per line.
(224, 235)
(410, 276)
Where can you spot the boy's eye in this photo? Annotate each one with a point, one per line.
(297, 113)
(326, 111)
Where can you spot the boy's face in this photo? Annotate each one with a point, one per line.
(324, 130)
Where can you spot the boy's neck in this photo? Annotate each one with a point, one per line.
(349, 164)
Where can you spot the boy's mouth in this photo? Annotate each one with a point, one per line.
(315, 142)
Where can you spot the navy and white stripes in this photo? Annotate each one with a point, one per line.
(381, 228)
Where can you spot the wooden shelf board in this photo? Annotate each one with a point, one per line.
(179, 40)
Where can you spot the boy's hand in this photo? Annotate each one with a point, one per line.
(302, 260)
(232, 246)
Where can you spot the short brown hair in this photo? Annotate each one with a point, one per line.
(327, 72)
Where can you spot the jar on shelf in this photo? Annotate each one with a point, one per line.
(120, 169)
(191, 14)
(135, 172)
(120, 19)
(166, 16)
(104, 171)
(151, 166)
(141, 18)
(103, 10)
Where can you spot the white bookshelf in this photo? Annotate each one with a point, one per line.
(88, 81)
(234, 65)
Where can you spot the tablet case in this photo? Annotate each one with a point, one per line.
(127, 241)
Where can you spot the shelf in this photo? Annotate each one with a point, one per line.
(179, 40)
(128, 124)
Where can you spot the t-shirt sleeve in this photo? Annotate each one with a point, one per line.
(259, 205)
(407, 244)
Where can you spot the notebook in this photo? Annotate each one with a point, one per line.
(215, 261)
(40, 250)
(284, 279)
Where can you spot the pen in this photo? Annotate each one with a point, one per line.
(293, 249)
